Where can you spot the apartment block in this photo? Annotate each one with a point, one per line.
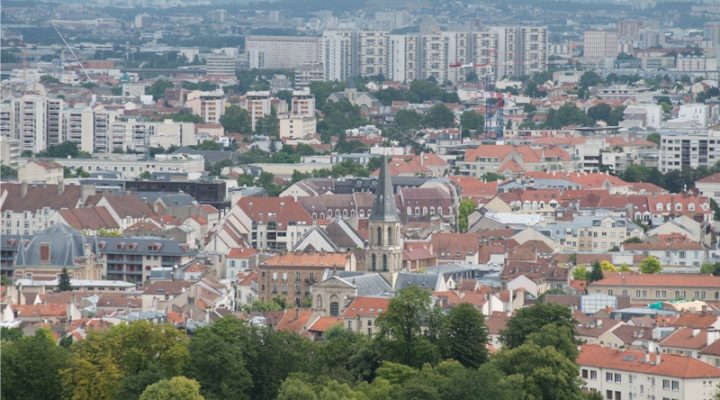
(373, 53)
(77, 127)
(282, 52)
(258, 104)
(682, 149)
(600, 44)
(339, 55)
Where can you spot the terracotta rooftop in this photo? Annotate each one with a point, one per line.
(660, 280)
(323, 324)
(311, 260)
(671, 365)
(686, 338)
(366, 306)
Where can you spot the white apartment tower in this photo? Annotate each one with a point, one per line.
(36, 122)
(258, 105)
(78, 127)
(373, 53)
(339, 55)
(600, 44)
(521, 50)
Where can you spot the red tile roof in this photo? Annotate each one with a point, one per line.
(281, 210)
(671, 365)
(92, 218)
(694, 320)
(659, 280)
(241, 253)
(39, 196)
(40, 310)
(312, 260)
(294, 321)
(323, 324)
(686, 338)
(366, 307)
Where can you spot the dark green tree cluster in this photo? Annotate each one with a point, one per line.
(157, 89)
(673, 181)
(64, 150)
(420, 352)
(236, 119)
(7, 172)
(418, 92)
(339, 116)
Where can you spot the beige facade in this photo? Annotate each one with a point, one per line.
(40, 171)
(296, 127)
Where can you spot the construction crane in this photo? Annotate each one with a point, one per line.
(87, 76)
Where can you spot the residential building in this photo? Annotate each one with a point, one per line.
(297, 126)
(272, 223)
(291, 275)
(220, 64)
(77, 127)
(339, 55)
(41, 171)
(208, 105)
(521, 50)
(302, 103)
(600, 44)
(9, 151)
(659, 287)
(361, 314)
(36, 121)
(631, 374)
(373, 53)
(131, 259)
(131, 166)
(258, 105)
(693, 149)
(709, 187)
(282, 52)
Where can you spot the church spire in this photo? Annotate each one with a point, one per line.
(384, 208)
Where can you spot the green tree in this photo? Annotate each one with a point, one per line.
(439, 116)
(580, 273)
(295, 388)
(176, 388)
(543, 372)
(268, 125)
(589, 79)
(465, 335)
(600, 112)
(465, 208)
(654, 137)
(157, 89)
(401, 328)
(558, 336)
(64, 150)
(596, 273)
(217, 360)
(64, 281)
(339, 116)
(7, 173)
(31, 367)
(123, 361)
(47, 80)
(472, 121)
(650, 265)
(145, 175)
(708, 268)
(531, 319)
(236, 119)
(492, 177)
(408, 120)
(10, 334)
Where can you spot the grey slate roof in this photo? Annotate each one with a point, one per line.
(406, 279)
(384, 208)
(65, 243)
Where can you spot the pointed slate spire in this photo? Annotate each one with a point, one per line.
(384, 208)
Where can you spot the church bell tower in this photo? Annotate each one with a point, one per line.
(385, 242)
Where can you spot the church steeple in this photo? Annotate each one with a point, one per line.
(385, 241)
(384, 208)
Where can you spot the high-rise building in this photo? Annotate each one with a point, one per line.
(339, 55)
(403, 54)
(373, 53)
(282, 52)
(258, 104)
(600, 44)
(208, 105)
(36, 122)
(434, 56)
(385, 241)
(220, 64)
(78, 126)
(485, 54)
(521, 50)
(303, 103)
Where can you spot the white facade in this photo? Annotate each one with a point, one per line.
(77, 127)
(339, 55)
(296, 127)
(282, 52)
(679, 150)
(258, 105)
(600, 44)
(131, 166)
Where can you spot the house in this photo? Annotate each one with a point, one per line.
(635, 374)
(271, 223)
(291, 275)
(56, 248)
(595, 331)
(41, 171)
(332, 295)
(361, 314)
(686, 342)
(658, 287)
(511, 161)
(456, 248)
(674, 249)
(29, 208)
(125, 208)
(709, 187)
(89, 220)
(246, 291)
(239, 260)
(164, 295)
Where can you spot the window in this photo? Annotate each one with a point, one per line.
(618, 378)
(608, 394)
(593, 375)
(390, 236)
(318, 302)
(379, 236)
(373, 265)
(385, 262)
(608, 377)
(45, 253)
(666, 384)
(584, 373)
(675, 386)
(334, 306)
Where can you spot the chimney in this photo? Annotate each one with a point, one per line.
(657, 357)
(599, 323)
(60, 188)
(646, 360)
(695, 332)
(713, 335)
(23, 189)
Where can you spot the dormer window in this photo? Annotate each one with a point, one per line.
(45, 253)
